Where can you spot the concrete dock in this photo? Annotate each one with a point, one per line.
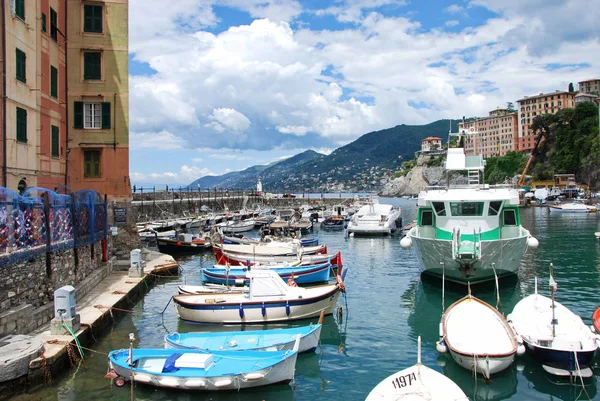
(28, 361)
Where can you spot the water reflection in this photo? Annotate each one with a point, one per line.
(559, 388)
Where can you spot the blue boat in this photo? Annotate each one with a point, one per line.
(260, 340)
(194, 369)
(237, 274)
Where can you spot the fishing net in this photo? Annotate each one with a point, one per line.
(90, 217)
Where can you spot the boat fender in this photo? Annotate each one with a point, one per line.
(178, 243)
(263, 309)
(239, 281)
(241, 311)
(406, 242)
(287, 308)
(119, 381)
(520, 349)
(532, 242)
(441, 347)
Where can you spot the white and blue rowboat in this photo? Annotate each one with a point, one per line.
(417, 383)
(274, 248)
(244, 260)
(208, 288)
(269, 299)
(202, 370)
(553, 335)
(310, 274)
(478, 337)
(232, 239)
(259, 340)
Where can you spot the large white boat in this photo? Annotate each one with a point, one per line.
(471, 232)
(375, 218)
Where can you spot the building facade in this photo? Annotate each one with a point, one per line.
(493, 135)
(585, 97)
(98, 97)
(64, 113)
(431, 144)
(591, 86)
(532, 106)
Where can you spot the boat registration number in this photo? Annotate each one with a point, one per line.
(404, 380)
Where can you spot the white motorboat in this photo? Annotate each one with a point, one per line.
(269, 299)
(574, 207)
(554, 335)
(375, 218)
(238, 226)
(417, 383)
(478, 336)
(471, 232)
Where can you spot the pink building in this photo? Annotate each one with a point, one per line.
(493, 135)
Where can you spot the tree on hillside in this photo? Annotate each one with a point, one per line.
(571, 89)
(510, 106)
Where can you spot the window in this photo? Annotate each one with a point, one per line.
(426, 218)
(21, 58)
(43, 22)
(53, 82)
(92, 65)
(20, 9)
(21, 125)
(92, 18)
(494, 208)
(91, 164)
(466, 208)
(92, 115)
(510, 219)
(53, 24)
(439, 207)
(55, 140)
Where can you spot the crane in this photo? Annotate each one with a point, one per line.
(531, 157)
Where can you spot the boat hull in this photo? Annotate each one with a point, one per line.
(256, 311)
(483, 365)
(260, 340)
(302, 274)
(505, 253)
(174, 247)
(211, 379)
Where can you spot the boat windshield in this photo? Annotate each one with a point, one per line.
(439, 207)
(466, 208)
(494, 208)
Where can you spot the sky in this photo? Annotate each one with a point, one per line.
(221, 85)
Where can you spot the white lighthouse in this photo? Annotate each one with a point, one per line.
(259, 188)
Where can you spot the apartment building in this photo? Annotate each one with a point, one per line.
(493, 135)
(532, 106)
(64, 116)
(98, 97)
(591, 86)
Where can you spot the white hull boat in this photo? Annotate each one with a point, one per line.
(375, 218)
(236, 226)
(269, 299)
(417, 383)
(468, 233)
(478, 337)
(575, 207)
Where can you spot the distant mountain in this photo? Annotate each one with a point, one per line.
(361, 165)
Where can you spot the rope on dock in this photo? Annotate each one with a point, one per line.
(68, 343)
(111, 308)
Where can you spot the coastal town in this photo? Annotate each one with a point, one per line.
(375, 269)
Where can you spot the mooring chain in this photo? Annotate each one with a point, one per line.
(47, 375)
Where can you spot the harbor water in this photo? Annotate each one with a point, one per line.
(387, 306)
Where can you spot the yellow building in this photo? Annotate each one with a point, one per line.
(98, 97)
(493, 135)
(591, 86)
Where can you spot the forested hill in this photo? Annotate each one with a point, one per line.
(360, 163)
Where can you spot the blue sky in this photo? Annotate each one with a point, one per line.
(219, 86)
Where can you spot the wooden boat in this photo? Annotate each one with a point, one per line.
(417, 383)
(269, 299)
(193, 369)
(233, 239)
(270, 249)
(478, 337)
(208, 288)
(309, 274)
(333, 222)
(554, 335)
(184, 243)
(244, 260)
(259, 340)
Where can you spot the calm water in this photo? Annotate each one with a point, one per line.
(386, 308)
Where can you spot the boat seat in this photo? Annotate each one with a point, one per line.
(154, 365)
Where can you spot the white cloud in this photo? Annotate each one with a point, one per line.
(163, 140)
(293, 129)
(197, 159)
(229, 119)
(454, 9)
(451, 23)
(228, 156)
(184, 176)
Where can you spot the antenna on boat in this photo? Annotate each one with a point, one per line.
(443, 283)
(419, 350)
(553, 288)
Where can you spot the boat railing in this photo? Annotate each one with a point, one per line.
(469, 186)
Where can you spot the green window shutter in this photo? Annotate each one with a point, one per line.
(92, 63)
(44, 27)
(53, 24)
(92, 19)
(91, 163)
(78, 115)
(20, 9)
(53, 82)
(105, 115)
(21, 60)
(55, 140)
(21, 125)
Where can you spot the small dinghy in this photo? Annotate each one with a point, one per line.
(417, 383)
(553, 334)
(309, 274)
(208, 288)
(478, 337)
(201, 370)
(596, 321)
(260, 340)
